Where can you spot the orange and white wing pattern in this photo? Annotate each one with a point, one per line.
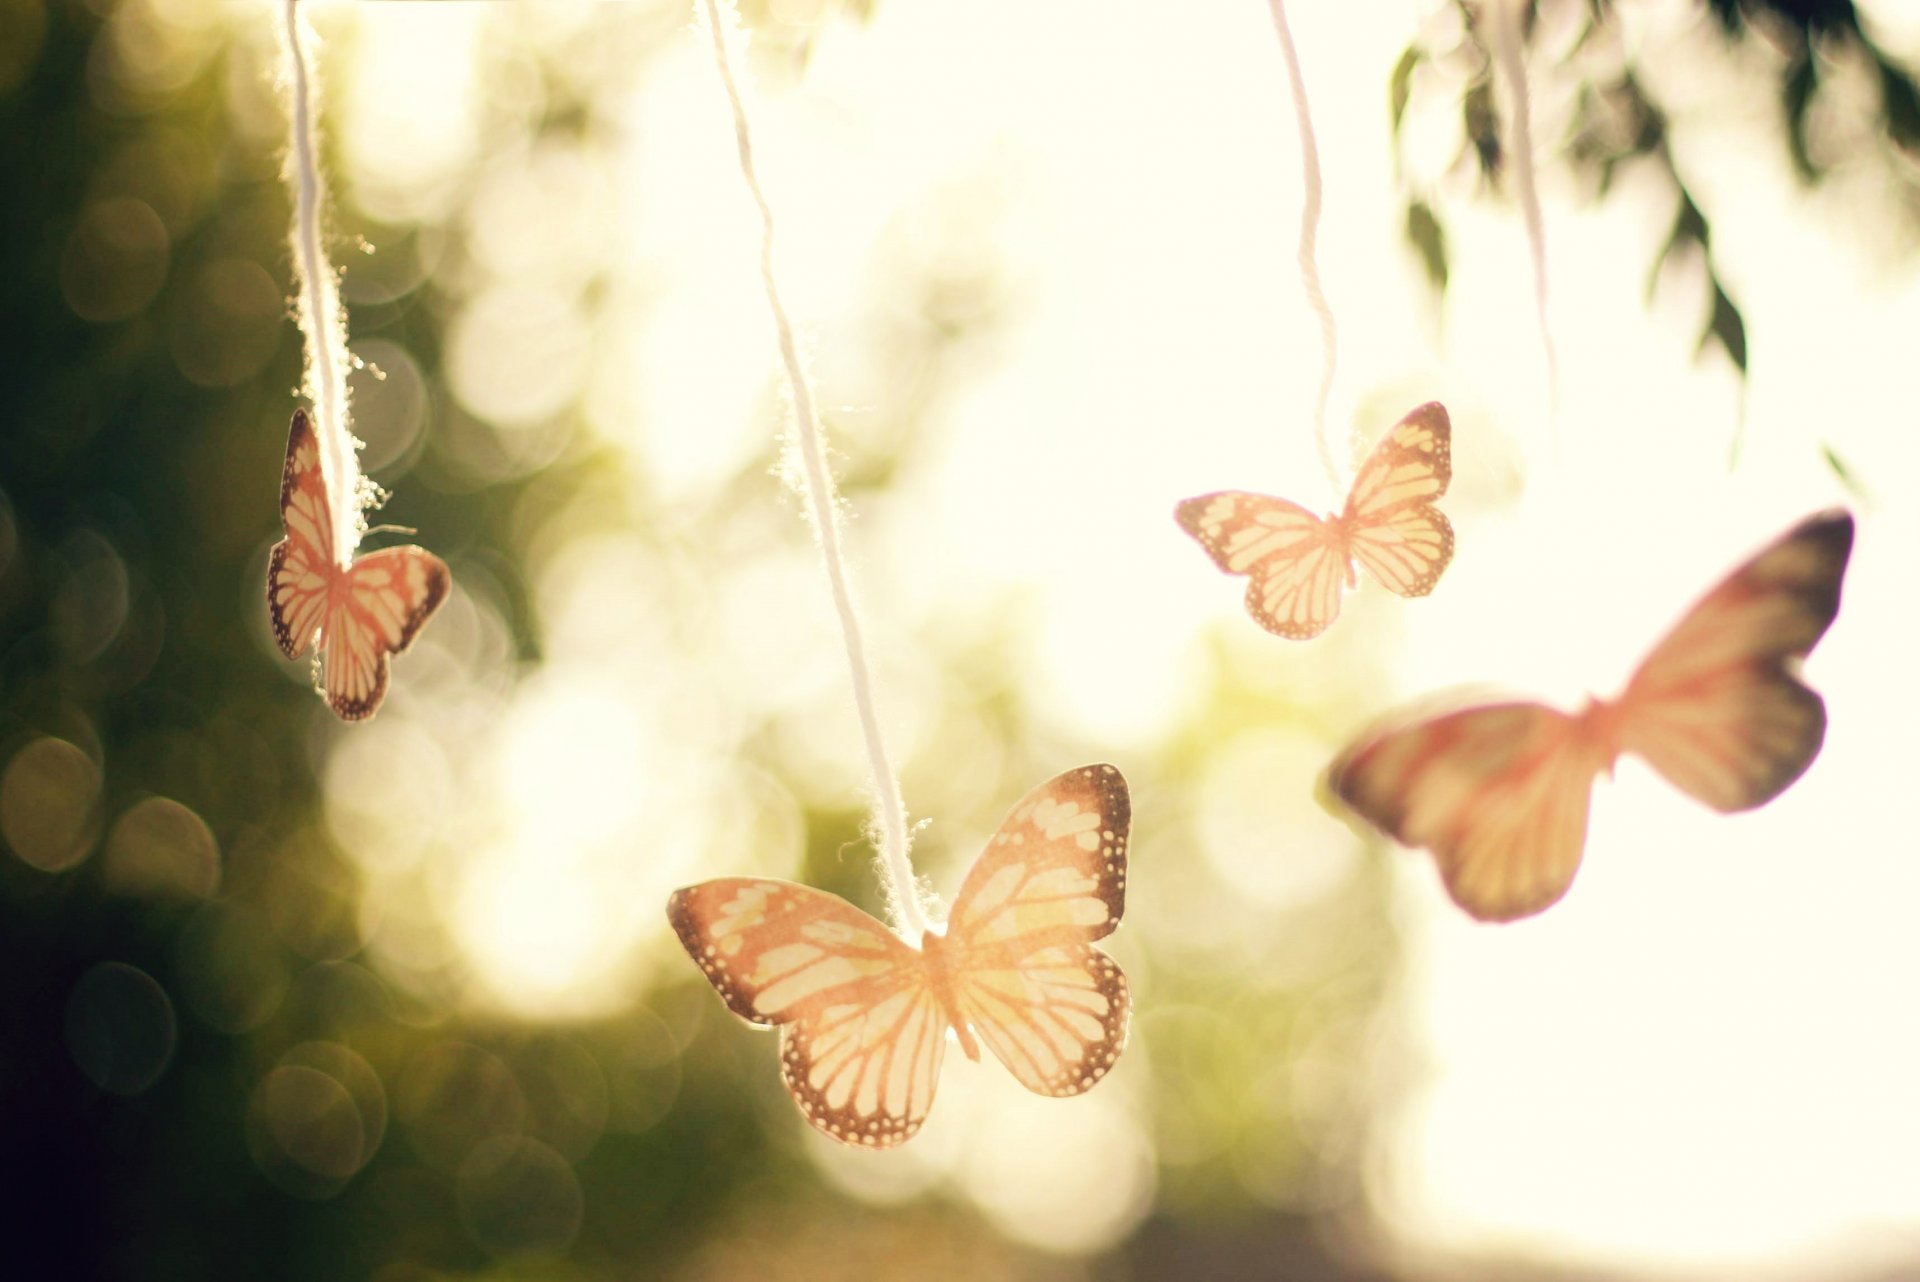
(1019, 951)
(364, 614)
(862, 1033)
(387, 597)
(1498, 793)
(300, 570)
(1392, 526)
(1294, 558)
(1718, 707)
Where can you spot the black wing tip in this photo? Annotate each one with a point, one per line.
(299, 430)
(680, 917)
(1186, 513)
(439, 585)
(1829, 535)
(1116, 802)
(1832, 532)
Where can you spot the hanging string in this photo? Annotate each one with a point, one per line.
(1506, 52)
(890, 812)
(317, 305)
(1309, 231)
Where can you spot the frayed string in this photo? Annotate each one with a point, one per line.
(1309, 231)
(317, 305)
(890, 814)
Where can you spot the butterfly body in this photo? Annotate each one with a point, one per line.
(357, 614)
(942, 967)
(1300, 563)
(864, 1016)
(1500, 792)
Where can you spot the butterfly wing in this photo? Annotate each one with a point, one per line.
(1019, 941)
(1392, 526)
(1498, 793)
(389, 595)
(1292, 556)
(862, 1034)
(300, 570)
(1718, 707)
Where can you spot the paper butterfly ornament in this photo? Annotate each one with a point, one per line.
(1499, 793)
(1300, 563)
(363, 613)
(864, 1017)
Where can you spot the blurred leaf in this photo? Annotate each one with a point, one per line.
(1843, 472)
(1689, 228)
(1901, 99)
(1401, 85)
(1728, 11)
(1727, 326)
(1482, 125)
(1796, 95)
(1429, 240)
(1808, 17)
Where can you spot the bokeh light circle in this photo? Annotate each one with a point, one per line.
(452, 1097)
(162, 849)
(49, 800)
(519, 1197)
(120, 1028)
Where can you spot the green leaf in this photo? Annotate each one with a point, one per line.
(1429, 240)
(1901, 97)
(1400, 87)
(1726, 326)
(1845, 473)
(1796, 95)
(1482, 125)
(1689, 228)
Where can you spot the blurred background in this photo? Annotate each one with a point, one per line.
(282, 997)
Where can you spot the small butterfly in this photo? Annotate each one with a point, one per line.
(1500, 793)
(363, 612)
(864, 1017)
(1299, 563)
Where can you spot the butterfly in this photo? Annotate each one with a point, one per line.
(1300, 563)
(1499, 793)
(864, 1017)
(363, 612)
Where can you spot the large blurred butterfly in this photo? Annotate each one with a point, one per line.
(1500, 793)
(1300, 563)
(864, 1017)
(364, 612)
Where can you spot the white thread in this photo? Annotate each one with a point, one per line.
(1506, 51)
(1309, 230)
(317, 306)
(897, 879)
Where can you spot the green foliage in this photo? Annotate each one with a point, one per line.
(1429, 241)
(1617, 121)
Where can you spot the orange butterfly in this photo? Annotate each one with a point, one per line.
(864, 1017)
(1298, 561)
(363, 612)
(1500, 793)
